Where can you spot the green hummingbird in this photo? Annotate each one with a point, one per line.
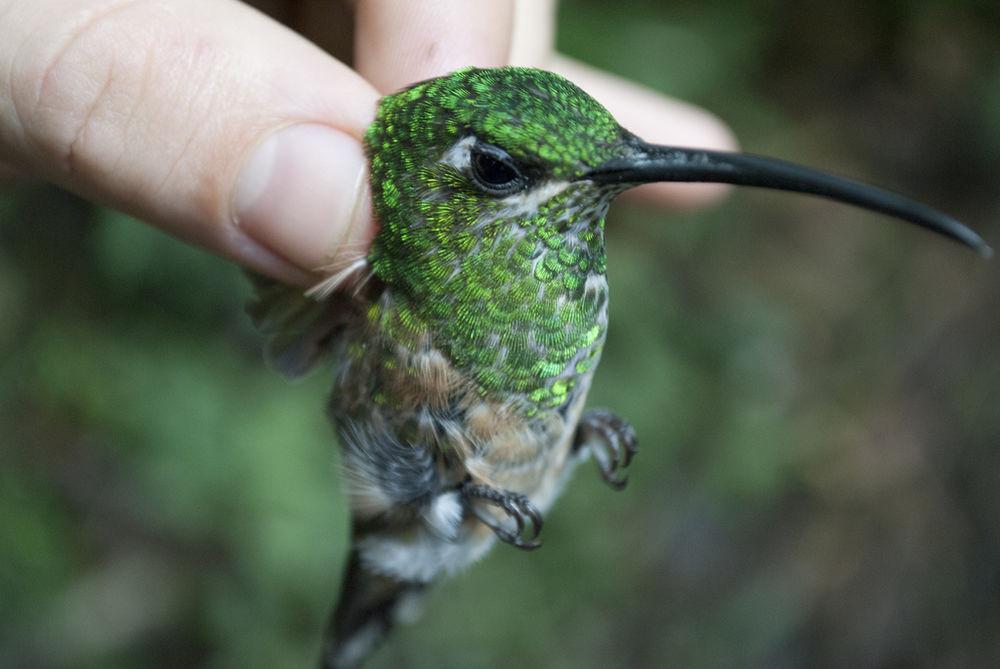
(464, 343)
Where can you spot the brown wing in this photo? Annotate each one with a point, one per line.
(300, 330)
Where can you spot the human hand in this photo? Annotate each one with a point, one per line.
(225, 128)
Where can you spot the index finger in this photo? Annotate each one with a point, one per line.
(399, 43)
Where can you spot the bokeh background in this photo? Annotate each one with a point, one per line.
(815, 388)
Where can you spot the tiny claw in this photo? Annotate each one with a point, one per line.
(517, 507)
(536, 518)
(631, 445)
(611, 440)
(617, 482)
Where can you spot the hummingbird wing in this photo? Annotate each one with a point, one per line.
(300, 331)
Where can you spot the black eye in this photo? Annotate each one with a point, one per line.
(495, 171)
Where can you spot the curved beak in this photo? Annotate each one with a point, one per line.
(646, 163)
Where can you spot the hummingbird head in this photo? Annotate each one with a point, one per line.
(485, 153)
(491, 187)
(458, 157)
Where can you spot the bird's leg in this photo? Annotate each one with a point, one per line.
(612, 442)
(517, 507)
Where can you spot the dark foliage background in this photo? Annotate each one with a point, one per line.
(816, 390)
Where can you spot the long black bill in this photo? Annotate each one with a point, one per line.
(650, 162)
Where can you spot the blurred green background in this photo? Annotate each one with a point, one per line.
(815, 389)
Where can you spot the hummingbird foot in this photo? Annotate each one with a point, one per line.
(612, 441)
(518, 508)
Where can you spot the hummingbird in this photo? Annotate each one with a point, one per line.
(462, 345)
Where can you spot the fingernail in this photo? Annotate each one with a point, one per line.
(303, 193)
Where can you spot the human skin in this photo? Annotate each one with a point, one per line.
(227, 129)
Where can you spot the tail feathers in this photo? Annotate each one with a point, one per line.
(370, 605)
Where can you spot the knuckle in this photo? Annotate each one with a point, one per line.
(61, 85)
(88, 99)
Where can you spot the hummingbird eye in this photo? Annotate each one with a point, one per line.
(495, 171)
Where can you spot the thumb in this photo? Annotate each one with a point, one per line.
(204, 118)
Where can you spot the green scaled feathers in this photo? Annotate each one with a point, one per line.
(511, 288)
